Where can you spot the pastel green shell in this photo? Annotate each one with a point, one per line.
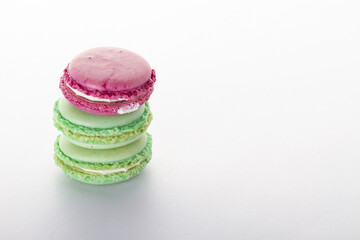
(72, 167)
(100, 136)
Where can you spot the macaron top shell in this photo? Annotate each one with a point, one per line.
(109, 69)
(102, 155)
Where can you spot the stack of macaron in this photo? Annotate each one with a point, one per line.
(104, 115)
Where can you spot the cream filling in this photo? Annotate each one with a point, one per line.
(96, 99)
(110, 171)
(133, 108)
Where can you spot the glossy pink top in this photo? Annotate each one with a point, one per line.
(109, 69)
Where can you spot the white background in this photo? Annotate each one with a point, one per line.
(256, 120)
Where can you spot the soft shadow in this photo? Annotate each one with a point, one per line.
(115, 207)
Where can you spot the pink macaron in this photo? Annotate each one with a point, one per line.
(108, 81)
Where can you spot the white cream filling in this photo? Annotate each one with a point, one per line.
(134, 107)
(81, 94)
(104, 172)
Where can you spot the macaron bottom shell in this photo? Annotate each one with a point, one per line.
(104, 108)
(99, 179)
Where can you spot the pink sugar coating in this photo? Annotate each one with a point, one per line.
(109, 69)
(102, 108)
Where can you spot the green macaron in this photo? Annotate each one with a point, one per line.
(100, 131)
(103, 166)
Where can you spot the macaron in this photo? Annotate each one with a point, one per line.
(102, 166)
(108, 81)
(100, 131)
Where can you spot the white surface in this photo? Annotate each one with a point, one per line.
(256, 120)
